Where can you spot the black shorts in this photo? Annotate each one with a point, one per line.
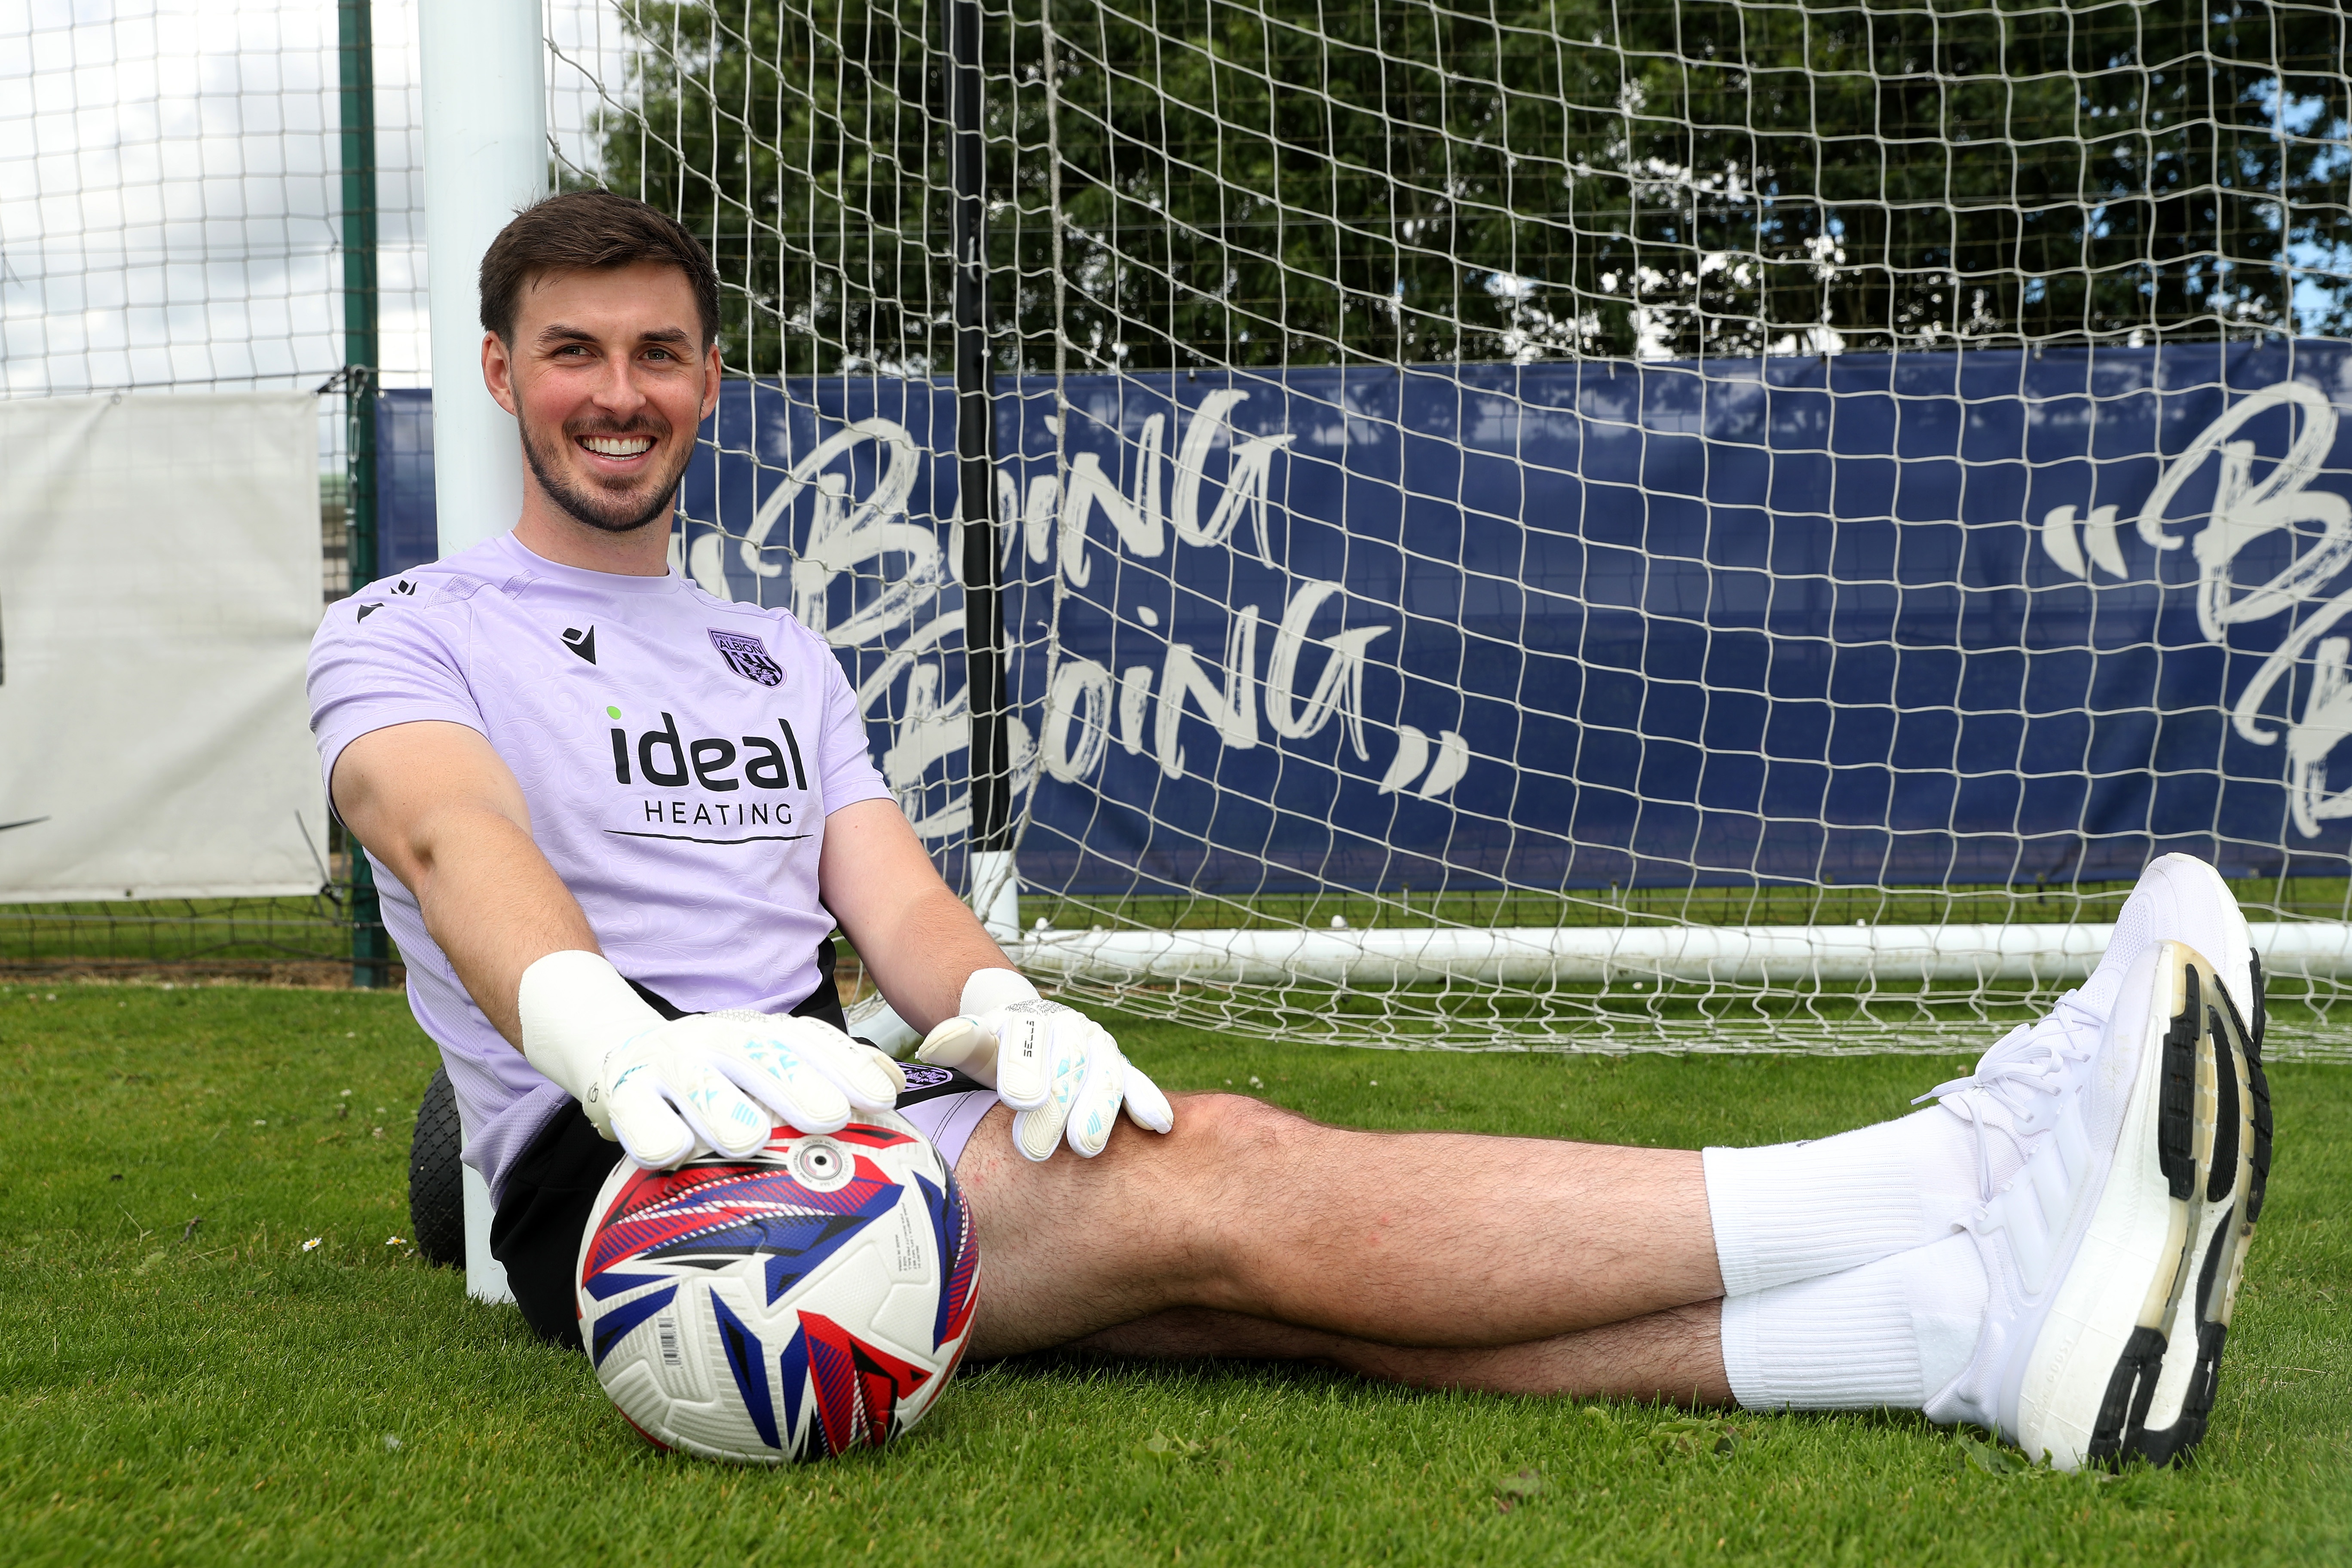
(551, 1190)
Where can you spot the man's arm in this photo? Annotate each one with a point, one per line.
(915, 936)
(445, 814)
(1057, 1068)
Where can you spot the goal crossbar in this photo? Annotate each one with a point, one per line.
(2044, 955)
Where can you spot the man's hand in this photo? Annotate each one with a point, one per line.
(1060, 1069)
(665, 1089)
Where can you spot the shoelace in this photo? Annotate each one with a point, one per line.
(2038, 1059)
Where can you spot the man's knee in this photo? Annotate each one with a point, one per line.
(1233, 1133)
(1071, 1246)
(1221, 1151)
(1244, 1123)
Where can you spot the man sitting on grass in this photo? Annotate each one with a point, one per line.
(602, 799)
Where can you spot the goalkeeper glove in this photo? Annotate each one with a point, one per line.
(1061, 1071)
(665, 1089)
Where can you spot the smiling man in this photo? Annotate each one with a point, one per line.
(617, 821)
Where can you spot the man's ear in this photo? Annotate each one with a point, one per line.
(498, 371)
(710, 380)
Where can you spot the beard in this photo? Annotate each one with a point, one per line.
(606, 510)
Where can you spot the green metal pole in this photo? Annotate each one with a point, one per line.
(371, 950)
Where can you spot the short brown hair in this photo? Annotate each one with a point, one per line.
(590, 230)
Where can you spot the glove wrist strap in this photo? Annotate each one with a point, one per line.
(576, 1010)
(989, 989)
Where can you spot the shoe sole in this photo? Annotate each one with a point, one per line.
(2179, 1177)
(2169, 1394)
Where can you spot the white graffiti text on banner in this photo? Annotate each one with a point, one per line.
(908, 613)
(1082, 713)
(2245, 512)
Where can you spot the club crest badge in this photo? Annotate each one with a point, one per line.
(748, 657)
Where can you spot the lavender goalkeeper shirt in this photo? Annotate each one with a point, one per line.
(679, 755)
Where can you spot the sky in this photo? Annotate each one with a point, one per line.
(169, 189)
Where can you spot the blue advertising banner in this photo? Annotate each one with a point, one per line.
(1939, 619)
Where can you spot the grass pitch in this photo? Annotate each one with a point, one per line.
(187, 1393)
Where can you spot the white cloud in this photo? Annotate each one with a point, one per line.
(170, 188)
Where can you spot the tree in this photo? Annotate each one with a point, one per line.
(1282, 181)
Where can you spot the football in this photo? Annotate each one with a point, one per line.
(811, 1298)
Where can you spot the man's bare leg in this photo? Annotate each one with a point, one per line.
(1676, 1355)
(1402, 1238)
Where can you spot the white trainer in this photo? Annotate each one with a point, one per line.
(2090, 1248)
(2013, 1098)
(2181, 898)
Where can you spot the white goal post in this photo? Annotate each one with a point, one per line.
(485, 157)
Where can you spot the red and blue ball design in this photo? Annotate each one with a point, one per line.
(812, 1298)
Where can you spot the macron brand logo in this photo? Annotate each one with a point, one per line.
(368, 609)
(747, 657)
(582, 643)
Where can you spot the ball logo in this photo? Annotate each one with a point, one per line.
(747, 657)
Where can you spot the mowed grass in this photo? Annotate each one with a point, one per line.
(217, 1394)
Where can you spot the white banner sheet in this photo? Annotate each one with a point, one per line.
(158, 584)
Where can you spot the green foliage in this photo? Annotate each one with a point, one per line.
(1522, 1486)
(1212, 1451)
(1695, 1436)
(220, 1394)
(1274, 182)
(1990, 1458)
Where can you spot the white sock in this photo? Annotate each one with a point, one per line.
(1796, 1211)
(1891, 1334)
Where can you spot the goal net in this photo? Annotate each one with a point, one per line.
(1563, 525)
(176, 214)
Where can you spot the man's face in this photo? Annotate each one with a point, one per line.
(608, 381)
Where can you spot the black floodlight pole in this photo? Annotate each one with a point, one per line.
(371, 950)
(983, 601)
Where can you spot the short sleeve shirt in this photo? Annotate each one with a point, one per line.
(679, 755)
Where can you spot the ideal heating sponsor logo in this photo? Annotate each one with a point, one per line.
(740, 782)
